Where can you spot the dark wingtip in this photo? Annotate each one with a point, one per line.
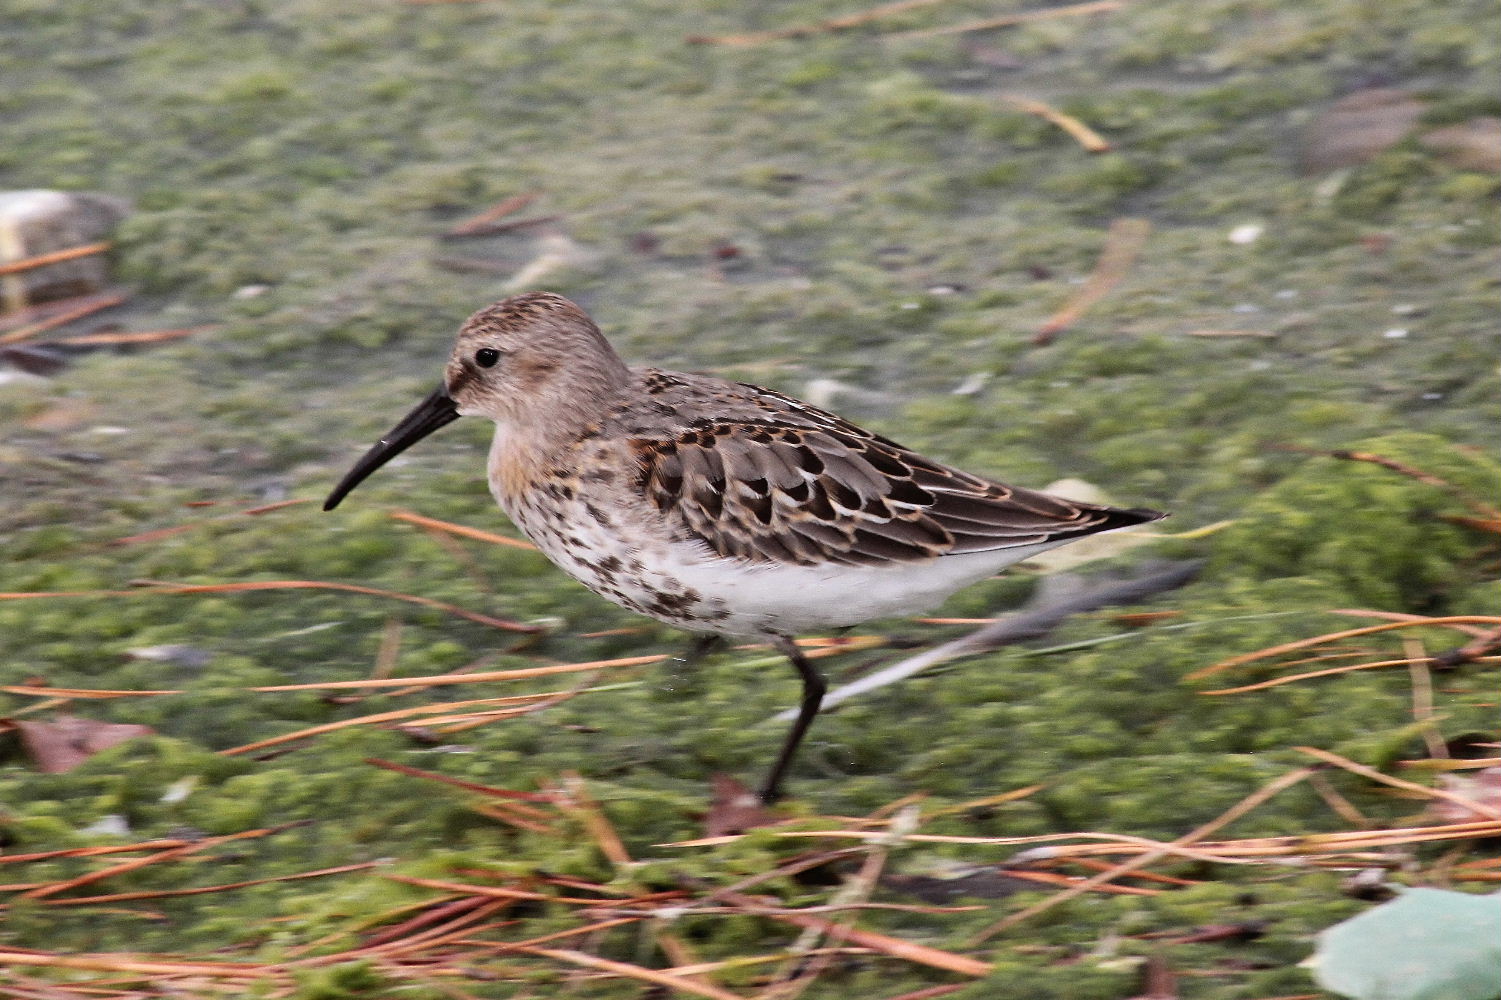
(1121, 517)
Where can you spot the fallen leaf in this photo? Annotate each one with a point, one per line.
(69, 740)
(1359, 127)
(733, 809)
(1484, 789)
(1472, 145)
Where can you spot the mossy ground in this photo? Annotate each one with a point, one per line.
(896, 227)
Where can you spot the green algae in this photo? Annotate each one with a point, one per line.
(319, 152)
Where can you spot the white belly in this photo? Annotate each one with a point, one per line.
(687, 585)
(764, 598)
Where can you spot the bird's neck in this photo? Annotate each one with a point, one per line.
(526, 451)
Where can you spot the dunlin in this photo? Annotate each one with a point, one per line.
(719, 507)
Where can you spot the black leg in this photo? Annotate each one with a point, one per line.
(813, 688)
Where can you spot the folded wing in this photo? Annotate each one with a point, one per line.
(802, 486)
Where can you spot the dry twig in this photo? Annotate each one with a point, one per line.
(477, 225)
(820, 27)
(55, 257)
(159, 587)
(1122, 245)
(1087, 137)
(1011, 20)
(78, 309)
(1247, 804)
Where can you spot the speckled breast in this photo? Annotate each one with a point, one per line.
(609, 549)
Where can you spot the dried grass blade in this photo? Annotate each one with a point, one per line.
(636, 972)
(91, 852)
(1085, 136)
(156, 587)
(496, 891)
(463, 531)
(582, 805)
(468, 786)
(511, 816)
(126, 963)
(1010, 20)
(375, 718)
(454, 926)
(699, 968)
(801, 30)
(594, 928)
(100, 694)
(177, 529)
(170, 854)
(1058, 879)
(492, 891)
(1470, 804)
(118, 897)
(987, 802)
(931, 992)
(1348, 668)
(887, 945)
(47, 310)
(133, 336)
(1290, 647)
(86, 307)
(55, 257)
(1124, 841)
(1242, 807)
(1486, 511)
(433, 680)
(439, 913)
(1429, 764)
(1399, 616)
(1123, 243)
(479, 222)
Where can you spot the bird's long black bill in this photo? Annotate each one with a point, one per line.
(434, 412)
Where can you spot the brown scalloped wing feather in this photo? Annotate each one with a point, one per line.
(812, 488)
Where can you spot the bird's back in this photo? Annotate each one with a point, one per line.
(763, 477)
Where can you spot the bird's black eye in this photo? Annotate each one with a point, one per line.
(486, 357)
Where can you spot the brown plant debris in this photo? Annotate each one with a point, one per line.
(734, 808)
(55, 257)
(161, 587)
(1012, 20)
(130, 338)
(1489, 515)
(177, 529)
(68, 740)
(802, 30)
(1123, 244)
(448, 527)
(873, 14)
(472, 926)
(63, 312)
(1477, 650)
(479, 225)
(1086, 137)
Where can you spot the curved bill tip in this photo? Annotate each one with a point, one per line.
(436, 411)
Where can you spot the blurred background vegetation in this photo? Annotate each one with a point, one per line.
(861, 216)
